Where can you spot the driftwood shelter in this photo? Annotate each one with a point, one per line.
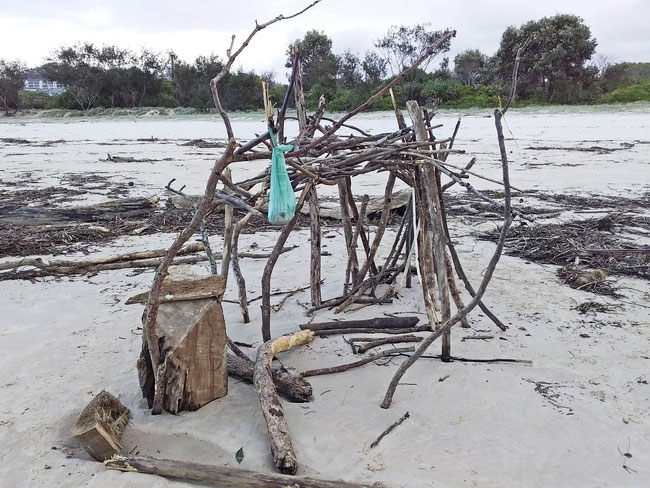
(183, 363)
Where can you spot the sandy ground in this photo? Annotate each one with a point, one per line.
(566, 420)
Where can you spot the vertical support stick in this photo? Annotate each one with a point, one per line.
(346, 222)
(428, 189)
(270, 264)
(314, 215)
(299, 96)
(227, 235)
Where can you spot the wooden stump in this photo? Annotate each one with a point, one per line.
(191, 335)
(100, 425)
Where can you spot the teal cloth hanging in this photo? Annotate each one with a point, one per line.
(282, 202)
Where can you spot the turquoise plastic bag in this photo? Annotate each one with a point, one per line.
(282, 202)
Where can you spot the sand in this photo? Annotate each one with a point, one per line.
(565, 420)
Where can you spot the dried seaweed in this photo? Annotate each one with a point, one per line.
(596, 243)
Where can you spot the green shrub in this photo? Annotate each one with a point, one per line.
(633, 93)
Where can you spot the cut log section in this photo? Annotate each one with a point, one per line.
(276, 424)
(221, 476)
(191, 334)
(100, 425)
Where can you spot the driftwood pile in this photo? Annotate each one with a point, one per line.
(321, 155)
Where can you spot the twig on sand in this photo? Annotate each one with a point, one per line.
(360, 362)
(389, 430)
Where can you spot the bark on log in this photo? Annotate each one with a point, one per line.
(292, 387)
(315, 248)
(221, 476)
(410, 330)
(127, 207)
(276, 423)
(379, 323)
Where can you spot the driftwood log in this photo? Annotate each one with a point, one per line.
(292, 387)
(378, 323)
(100, 425)
(221, 476)
(276, 423)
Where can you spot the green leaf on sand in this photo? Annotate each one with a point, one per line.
(239, 455)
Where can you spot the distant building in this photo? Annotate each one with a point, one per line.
(41, 85)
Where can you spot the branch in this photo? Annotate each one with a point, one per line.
(233, 57)
(507, 220)
(377, 95)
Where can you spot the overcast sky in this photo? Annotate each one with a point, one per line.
(30, 30)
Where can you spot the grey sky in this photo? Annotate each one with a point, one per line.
(31, 30)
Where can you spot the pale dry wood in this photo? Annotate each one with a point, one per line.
(100, 425)
(228, 230)
(429, 201)
(487, 276)
(315, 262)
(292, 387)
(276, 423)
(221, 476)
(179, 290)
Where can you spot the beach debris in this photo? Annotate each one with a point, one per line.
(370, 342)
(594, 281)
(221, 475)
(191, 335)
(397, 351)
(99, 427)
(126, 159)
(390, 428)
(203, 144)
(378, 323)
(276, 423)
(592, 307)
(239, 455)
(292, 387)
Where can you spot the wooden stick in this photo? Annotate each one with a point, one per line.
(355, 237)
(384, 340)
(228, 231)
(381, 228)
(408, 330)
(346, 223)
(453, 290)
(294, 388)
(239, 276)
(428, 191)
(487, 276)
(360, 362)
(276, 423)
(270, 264)
(356, 216)
(315, 263)
(38, 262)
(379, 322)
(389, 430)
(220, 476)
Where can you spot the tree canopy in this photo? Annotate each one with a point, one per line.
(553, 67)
(12, 78)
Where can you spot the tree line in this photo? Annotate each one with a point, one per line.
(558, 66)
